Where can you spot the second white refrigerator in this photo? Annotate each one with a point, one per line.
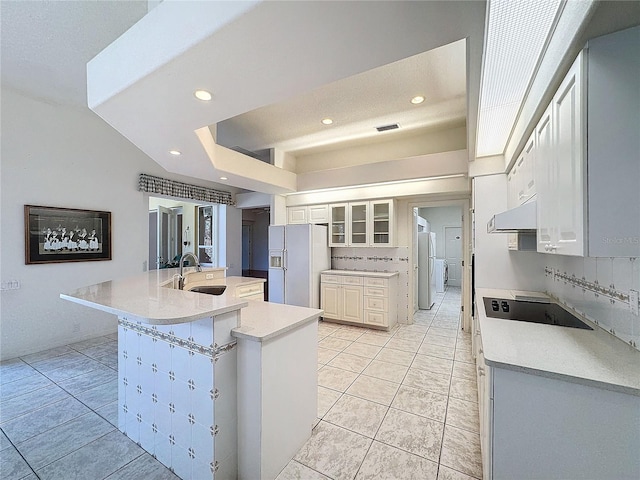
(297, 255)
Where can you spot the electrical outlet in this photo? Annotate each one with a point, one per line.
(633, 301)
(10, 285)
(209, 276)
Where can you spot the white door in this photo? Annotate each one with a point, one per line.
(453, 254)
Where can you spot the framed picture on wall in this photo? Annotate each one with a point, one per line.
(55, 235)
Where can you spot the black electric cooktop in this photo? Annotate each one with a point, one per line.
(547, 313)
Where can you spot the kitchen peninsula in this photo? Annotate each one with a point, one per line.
(203, 382)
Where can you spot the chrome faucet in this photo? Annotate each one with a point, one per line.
(182, 259)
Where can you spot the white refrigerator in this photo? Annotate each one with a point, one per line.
(426, 269)
(297, 255)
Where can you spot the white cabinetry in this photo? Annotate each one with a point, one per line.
(362, 224)
(592, 127)
(253, 291)
(567, 165)
(338, 231)
(358, 224)
(341, 297)
(485, 401)
(379, 301)
(381, 223)
(316, 214)
(544, 179)
(527, 417)
(359, 299)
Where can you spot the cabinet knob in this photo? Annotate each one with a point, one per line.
(481, 371)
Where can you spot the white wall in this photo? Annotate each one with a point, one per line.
(67, 157)
(436, 140)
(495, 265)
(230, 251)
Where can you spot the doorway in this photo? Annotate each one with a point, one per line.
(446, 226)
(171, 227)
(255, 244)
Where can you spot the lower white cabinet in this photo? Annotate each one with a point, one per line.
(359, 299)
(341, 297)
(533, 426)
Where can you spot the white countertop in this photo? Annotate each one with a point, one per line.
(143, 298)
(589, 357)
(262, 321)
(361, 273)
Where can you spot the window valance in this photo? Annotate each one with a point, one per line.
(164, 186)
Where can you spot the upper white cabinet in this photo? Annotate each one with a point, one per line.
(591, 127)
(308, 214)
(297, 215)
(318, 213)
(359, 224)
(560, 169)
(362, 224)
(382, 223)
(338, 218)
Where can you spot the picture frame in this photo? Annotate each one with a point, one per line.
(59, 235)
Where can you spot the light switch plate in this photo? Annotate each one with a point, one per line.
(633, 301)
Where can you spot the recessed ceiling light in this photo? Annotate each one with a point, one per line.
(327, 121)
(203, 95)
(175, 152)
(223, 178)
(417, 99)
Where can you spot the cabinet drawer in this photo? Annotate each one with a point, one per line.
(328, 278)
(255, 296)
(376, 282)
(243, 291)
(349, 280)
(376, 318)
(376, 291)
(380, 304)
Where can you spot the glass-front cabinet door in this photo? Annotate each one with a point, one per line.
(358, 224)
(338, 225)
(381, 223)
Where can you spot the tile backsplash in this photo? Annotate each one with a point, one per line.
(599, 288)
(378, 259)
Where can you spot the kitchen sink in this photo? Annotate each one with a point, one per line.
(209, 289)
(534, 312)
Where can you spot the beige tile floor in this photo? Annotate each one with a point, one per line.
(395, 405)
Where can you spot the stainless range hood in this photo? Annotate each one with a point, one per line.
(520, 219)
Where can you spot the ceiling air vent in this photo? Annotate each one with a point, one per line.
(384, 128)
